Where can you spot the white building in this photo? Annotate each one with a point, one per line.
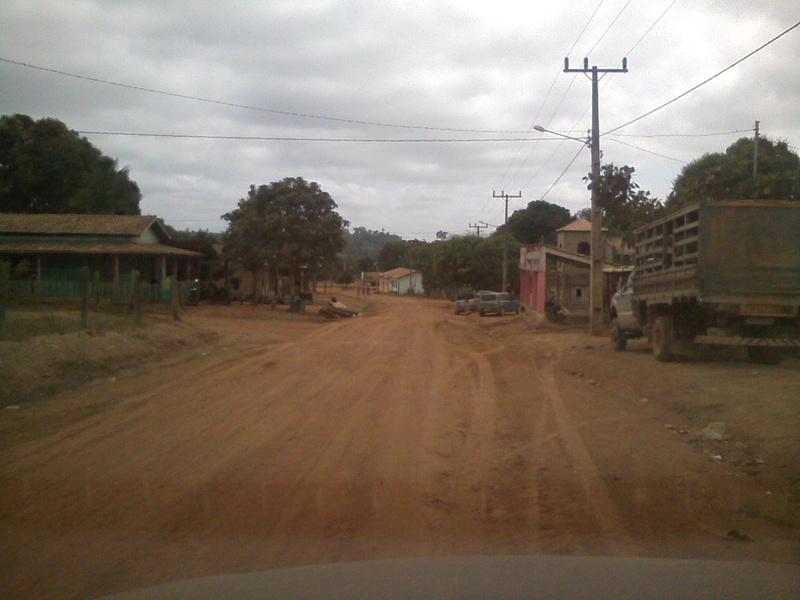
(401, 281)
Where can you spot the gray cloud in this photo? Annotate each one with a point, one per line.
(427, 66)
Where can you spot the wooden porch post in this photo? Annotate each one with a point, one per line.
(115, 283)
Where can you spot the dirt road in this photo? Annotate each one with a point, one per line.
(406, 431)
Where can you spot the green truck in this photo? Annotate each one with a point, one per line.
(716, 274)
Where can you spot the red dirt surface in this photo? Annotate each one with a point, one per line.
(276, 440)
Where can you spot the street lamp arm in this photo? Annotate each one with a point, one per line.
(587, 140)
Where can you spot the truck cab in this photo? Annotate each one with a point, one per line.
(625, 323)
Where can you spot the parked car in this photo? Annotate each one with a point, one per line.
(465, 303)
(497, 303)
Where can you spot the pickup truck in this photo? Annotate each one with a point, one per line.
(497, 303)
(465, 303)
(716, 274)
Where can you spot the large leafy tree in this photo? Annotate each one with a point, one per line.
(471, 262)
(537, 222)
(290, 224)
(363, 247)
(47, 168)
(730, 175)
(624, 206)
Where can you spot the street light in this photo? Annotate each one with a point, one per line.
(587, 140)
(596, 250)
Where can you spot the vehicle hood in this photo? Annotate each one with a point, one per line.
(496, 577)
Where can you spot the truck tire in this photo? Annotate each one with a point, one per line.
(618, 336)
(662, 339)
(764, 355)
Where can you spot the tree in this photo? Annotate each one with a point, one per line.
(470, 262)
(290, 224)
(47, 168)
(537, 222)
(624, 206)
(729, 175)
(363, 247)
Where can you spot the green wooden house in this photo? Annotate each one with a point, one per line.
(46, 253)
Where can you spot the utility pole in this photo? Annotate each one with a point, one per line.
(477, 227)
(505, 197)
(755, 152)
(596, 250)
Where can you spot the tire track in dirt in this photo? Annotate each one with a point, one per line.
(503, 496)
(597, 496)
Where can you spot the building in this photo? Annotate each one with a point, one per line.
(47, 253)
(563, 272)
(401, 281)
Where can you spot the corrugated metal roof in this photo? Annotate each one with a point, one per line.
(398, 273)
(49, 224)
(45, 247)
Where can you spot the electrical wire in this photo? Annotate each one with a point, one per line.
(678, 135)
(701, 84)
(574, 158)
(312, 139)
(648, 151)
(544, 101)
(649, 29)
(619, 14)
(248, 107)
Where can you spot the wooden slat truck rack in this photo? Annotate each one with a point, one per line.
(721, 274)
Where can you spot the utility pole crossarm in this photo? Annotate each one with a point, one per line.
(477, 227)
(587, 69)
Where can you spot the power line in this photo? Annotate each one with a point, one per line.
(544, 101)
(648, 151)
(678, 135)
(619, 14)
(646, 33)
(699, 85)
(574, 158)
(309, 139)
(139, 88)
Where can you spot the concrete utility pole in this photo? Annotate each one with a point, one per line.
(755, 151)
(596, 250)
(505, 197)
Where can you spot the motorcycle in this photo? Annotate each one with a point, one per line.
(554, 312)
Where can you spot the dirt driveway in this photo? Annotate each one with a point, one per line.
(406, 431)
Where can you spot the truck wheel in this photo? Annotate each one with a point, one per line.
(764, 356)
(618, 336)
(481, 313)
(662, 339)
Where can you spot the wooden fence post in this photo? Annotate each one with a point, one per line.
(5, 285)
(136, 296)
(176, 297)
(84, 297)
(97, 287)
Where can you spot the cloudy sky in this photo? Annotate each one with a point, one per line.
(409, 113)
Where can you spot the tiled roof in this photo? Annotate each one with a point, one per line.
(50, 224)
(577, 225)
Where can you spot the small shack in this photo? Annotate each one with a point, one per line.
(401, 281)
